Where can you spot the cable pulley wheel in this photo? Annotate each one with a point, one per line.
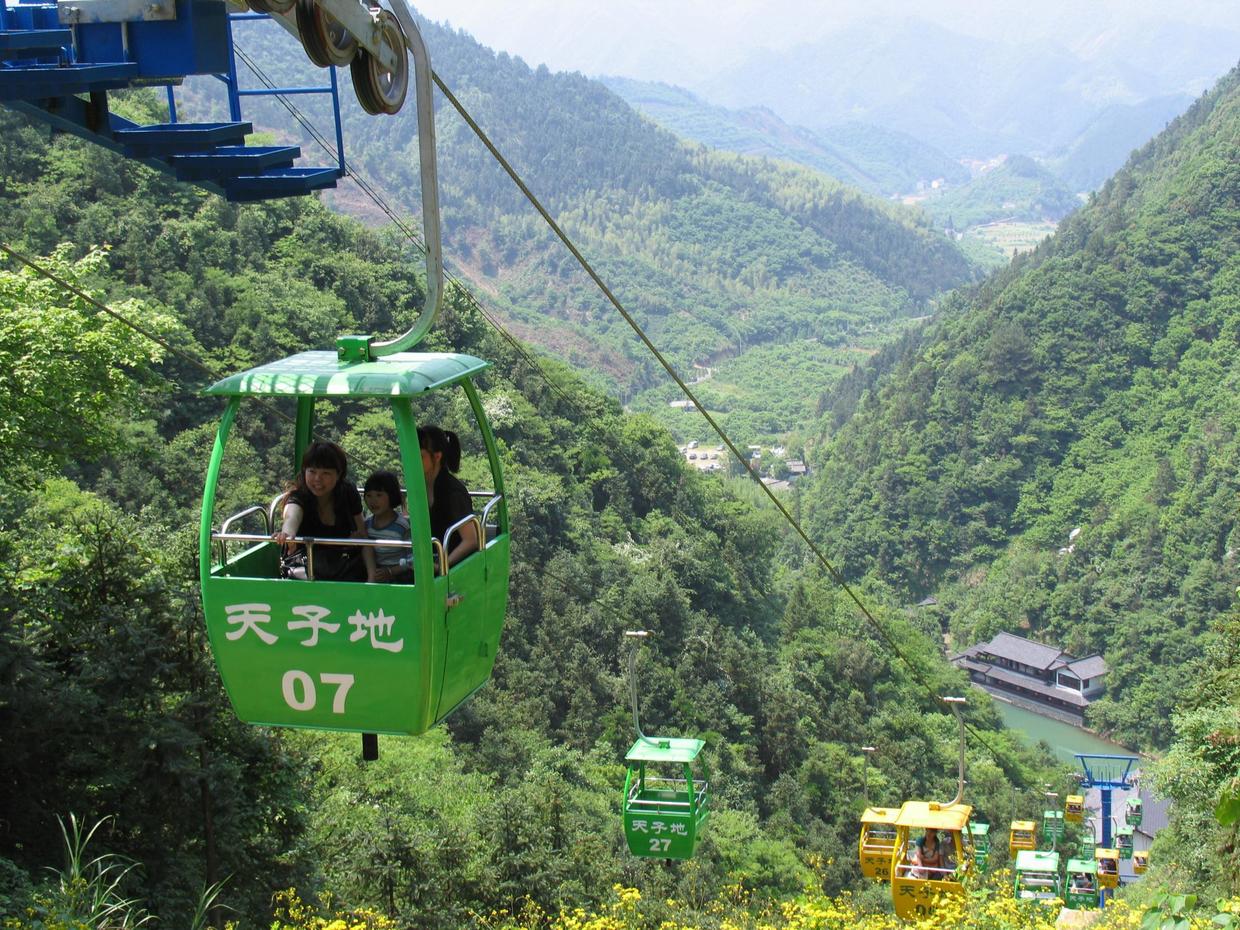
(325, 40)
(272, 7)
(378, 89)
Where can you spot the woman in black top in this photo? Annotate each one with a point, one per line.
(324, 505)
(447, 497)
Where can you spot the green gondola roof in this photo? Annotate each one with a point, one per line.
(1087, 866)
(322, 374)
(979, 829)
(664, 749)
(1037, 860)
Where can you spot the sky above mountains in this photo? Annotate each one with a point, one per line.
(686, 41)
(976, 80)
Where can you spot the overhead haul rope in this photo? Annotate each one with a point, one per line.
(832, 571)
(835, 575)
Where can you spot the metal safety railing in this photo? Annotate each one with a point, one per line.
(674, 786)
(945, 873)
(439, 554)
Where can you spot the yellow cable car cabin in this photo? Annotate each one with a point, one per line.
(1140, 861)
(1022, 835)
(1074, 808)
(878, 839)
(1108, 867)
(916, 886)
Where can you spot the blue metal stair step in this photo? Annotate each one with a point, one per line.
(283, 182)
(232, 161)
(38, 82)
(167, 139)
(27, 43)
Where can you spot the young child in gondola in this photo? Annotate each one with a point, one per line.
(383, 497)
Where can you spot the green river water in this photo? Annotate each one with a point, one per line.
(1065, 739)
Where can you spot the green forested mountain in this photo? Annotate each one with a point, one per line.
(879, 161)
(714, 253)
(1091, 385)
(110, 707)
(1018, 189)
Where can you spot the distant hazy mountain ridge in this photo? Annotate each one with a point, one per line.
(876, 160)
(970, 96)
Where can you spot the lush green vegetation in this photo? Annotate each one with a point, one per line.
(1017, 190)
(111, 707)
(1092, 385)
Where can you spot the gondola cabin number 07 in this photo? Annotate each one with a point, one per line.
(333, 666)
(343, 655)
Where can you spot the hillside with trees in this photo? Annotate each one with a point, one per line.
(715, 254)
(1016, 190)
(1090, 385)
(110, 707)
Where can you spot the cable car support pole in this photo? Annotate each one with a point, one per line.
(637, 636)
(954, 703)
(865, 764)
(361, 348)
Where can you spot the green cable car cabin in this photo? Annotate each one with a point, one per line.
(1133, 812)
(1036, 875)
(666, 797)
(1081, 888)
(878, 839)
(980, 833)
(1052, 826)
(334, 655)
(1123, 841)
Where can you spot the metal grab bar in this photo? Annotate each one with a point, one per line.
(456, 528)
(319, 540)
(243, 514)
(491, 505)
(280, 498)
(644, 802)
(699, 796)
(908, 868)
(439, 556)
(222, 548)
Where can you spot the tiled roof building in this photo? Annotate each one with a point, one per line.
(1042, 675)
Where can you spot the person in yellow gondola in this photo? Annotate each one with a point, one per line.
(929, 858)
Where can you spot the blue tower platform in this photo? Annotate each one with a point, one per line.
(59, 60)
